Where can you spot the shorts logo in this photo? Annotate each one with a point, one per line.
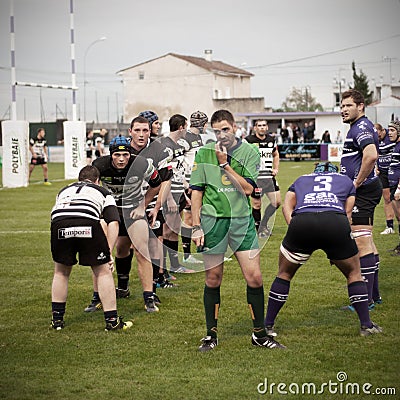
(75, 232)
(101, 256)
(156, 225)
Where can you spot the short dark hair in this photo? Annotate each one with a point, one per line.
(176, 121)
(89, 173)
(259, 120)
(141, 120)
(355, 95)
(39, 130)
(222, 115)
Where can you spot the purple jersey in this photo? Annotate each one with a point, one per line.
(385, 153)
(320, 192)
(361, 134)
(394, 167)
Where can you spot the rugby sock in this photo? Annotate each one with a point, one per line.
(186, 234)
(212, 301)
(269, 212)
(278, 295)
(358, 295)
(257, 217)
(367, 263)
(255, 300)
(389, 223)
(57, 310)
(111, 317)
(155, 262)
(123, 266)
(172, 247)
(147, 295)
(96, 296)
(375, 290)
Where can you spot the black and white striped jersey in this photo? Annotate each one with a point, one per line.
(85, 200)
(156, 152)
(127, 185)
(267, 147)
(38, 146)
(195, 143)
(176, 153)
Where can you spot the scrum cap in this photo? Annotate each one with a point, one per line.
(119, 143)
(325, 167)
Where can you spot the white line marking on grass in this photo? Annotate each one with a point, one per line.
(21, 232)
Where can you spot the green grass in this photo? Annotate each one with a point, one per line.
(158, 358)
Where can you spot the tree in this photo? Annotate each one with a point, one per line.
(301, 100)
(361, 84)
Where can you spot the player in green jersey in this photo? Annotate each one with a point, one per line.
(223, 177)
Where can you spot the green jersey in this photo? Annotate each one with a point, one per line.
(221, 198)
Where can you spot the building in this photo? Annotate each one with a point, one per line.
(175, 83)
(387, 105)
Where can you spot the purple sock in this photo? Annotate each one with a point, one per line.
(277, 297)
(358, 295)
(375, 291)
(367, 263)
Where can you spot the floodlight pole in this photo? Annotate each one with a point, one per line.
(84, 72)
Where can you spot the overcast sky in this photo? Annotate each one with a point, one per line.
(284, 43)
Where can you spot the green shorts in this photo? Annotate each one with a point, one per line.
(239, 233)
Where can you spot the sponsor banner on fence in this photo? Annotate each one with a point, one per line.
(74, 148)
(15, 161)
(335, 152)
(299, 151)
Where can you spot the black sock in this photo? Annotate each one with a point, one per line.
(212, 301)
(155, 262)
(278, 295)
(123, 266)
(255, 300)
(110, 316)
(96, 296)
(268, 213)
(58, 310)
(358, 295)
(186, 234)
(172, 247)
(148, 295)
(257, 217)
(389, 223)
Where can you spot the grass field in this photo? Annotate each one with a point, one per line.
(158, 358)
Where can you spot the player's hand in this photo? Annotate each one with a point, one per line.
(198, 237)
(221, 153)
(152, 216)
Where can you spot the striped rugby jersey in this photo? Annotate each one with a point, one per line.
(85, 200)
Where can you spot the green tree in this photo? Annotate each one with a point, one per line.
(361, 84)
(301, 100)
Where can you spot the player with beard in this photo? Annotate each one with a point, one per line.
(360, 153)
(125, 175)
(266, 182)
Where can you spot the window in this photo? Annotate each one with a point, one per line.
(141, 75)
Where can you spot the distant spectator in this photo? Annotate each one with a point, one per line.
(326, 137)
(339, 138)
(285, 134)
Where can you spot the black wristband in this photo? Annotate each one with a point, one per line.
(223, 165)
(196, 228)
